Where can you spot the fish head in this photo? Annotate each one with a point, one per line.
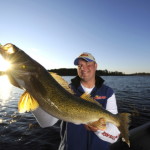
(22, 65)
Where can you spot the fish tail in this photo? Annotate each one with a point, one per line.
(124, 125)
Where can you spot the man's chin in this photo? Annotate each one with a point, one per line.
(85, 75)
(85, 78)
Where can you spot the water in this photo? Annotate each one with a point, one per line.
(21, 131)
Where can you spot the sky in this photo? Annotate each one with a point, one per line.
(55, 32)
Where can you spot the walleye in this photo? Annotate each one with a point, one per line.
(43, 90)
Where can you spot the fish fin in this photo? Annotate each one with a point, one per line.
(88, 97)
(27, 103)
(124, 125)
(62, 82)
(100, 124)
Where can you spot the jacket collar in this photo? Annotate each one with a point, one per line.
(76, 81)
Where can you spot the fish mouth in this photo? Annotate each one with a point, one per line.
(7, 49)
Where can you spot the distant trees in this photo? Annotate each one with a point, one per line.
(141, 74)
(73, 72)
(112, 73)
(64, 71)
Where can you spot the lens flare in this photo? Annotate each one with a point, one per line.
(5, 89)
(4, 65)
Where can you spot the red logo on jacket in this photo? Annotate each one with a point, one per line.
(99, 97)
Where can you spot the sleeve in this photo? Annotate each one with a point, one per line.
(111, 134)
(43, 118)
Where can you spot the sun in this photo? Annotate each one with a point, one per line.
(4, 65)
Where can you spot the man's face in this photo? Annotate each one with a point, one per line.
(86, 70)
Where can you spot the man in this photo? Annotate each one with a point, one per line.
(84, 137)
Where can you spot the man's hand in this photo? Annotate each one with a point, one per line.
(97, 125)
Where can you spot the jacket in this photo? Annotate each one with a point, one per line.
(76, 137)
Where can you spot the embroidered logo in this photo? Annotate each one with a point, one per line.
(110, 136)
(99, 97)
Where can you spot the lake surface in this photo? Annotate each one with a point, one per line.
(21, 131)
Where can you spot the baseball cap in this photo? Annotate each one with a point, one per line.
(85, 56)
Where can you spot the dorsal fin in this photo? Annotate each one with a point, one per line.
(27, 103)
(62, 82)
(88, 97)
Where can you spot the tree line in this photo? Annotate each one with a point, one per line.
(73, 72)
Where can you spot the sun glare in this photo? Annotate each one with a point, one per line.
(4, 65)
(5, 88)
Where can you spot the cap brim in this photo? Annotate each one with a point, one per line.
(77, 60)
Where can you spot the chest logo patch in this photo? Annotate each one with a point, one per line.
(99, 97)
